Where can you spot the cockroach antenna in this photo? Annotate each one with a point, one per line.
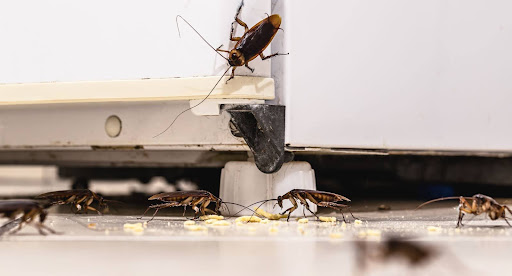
(243, 208)
(190, 25)
(204, 99)
(440, 199)
(211, 91)
(253, 212)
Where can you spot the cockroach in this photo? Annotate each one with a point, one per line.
(479, 204)
(320, 198)
(248, 47)
(198, 200)
(80, 199)
(29, 210)
(414, 253)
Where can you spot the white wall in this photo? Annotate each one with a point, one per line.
(397, 74)
(61, 40)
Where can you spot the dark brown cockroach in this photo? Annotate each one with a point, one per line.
(320, 198)
(29, 210)
(248, 47)
(80, 199)
(479, 204)
(414, 253)
(198, 200)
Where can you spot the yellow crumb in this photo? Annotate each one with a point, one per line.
(343, 225)
(301, 230)
(221, 223)
(335, 235)
(252, 229)
(135, 228)
(211, 217)
(196, 228)
(276, 223)
(433, 229)
(273, 229)
(210, 221)
(91, 225)
(145, 224)
(189, 222)
(303, 220)
(265, 221)
(247, 218)
(328, 219)
(358, 222)
(132, 225)
(373, 232)
(268, 215)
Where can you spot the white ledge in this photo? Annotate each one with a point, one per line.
(241, 87)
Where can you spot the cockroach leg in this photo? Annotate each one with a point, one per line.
(231, 35)
(242, 23)
(459, 221)
(87, 207)
(291, 209)
(263, 57)
(232, 74)
(252, 69)
(157, 207)
(306, 204)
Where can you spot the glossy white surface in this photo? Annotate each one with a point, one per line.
(430, 75)
(482, 247)
(59, 40)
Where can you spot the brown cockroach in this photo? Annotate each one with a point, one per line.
(479, 204)
(80, 199)
(198, 200)
(414, 253)
(320, 198)
(29, 211)
(248, 47)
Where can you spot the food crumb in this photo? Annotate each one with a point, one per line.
(328, 219)
(221, 223)
(189, 222)
(303, 220)
(335, 235)
(434, 229)
(91, 225)
(373, 232)
(196, 228)
(273, 229)
(268, 215)
(208, 217)
(133, 227)
(248, 219)
(358, 222)
(210, 221)
(300, 229)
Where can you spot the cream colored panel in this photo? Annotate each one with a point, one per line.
(137, 90)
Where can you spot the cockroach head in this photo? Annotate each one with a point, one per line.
(218, 204)
(280, 201)
(236, 58)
